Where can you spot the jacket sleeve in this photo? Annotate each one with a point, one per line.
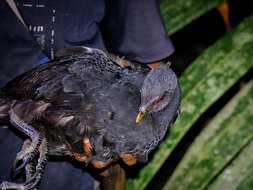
(18, 50)
(135, 29)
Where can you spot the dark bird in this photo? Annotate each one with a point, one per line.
(87, 106)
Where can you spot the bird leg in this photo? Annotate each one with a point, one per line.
(20, 115)
(37, 146)
(23, 155)
(33, 173)
(29, 167)
(29, 151)
(33, 178)
(30, 170)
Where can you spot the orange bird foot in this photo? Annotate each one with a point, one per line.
(129, 159)
(87, 148)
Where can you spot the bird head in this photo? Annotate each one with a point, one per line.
(157, 90)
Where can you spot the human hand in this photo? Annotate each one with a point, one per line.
(127, 158)
(155, 64)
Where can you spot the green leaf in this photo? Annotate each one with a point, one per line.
(178, 13)
(204, 82)
(235, 175)
(247, 183)
(217, 144)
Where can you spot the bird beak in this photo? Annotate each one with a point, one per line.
(140, 116)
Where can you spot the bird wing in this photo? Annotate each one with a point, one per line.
(79, 91)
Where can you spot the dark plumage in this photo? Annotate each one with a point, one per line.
(86, 96)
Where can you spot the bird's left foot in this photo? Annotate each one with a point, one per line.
(34, 174)
(27, 154)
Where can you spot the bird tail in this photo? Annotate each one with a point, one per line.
(5, 106)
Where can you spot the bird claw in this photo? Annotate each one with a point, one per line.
(9, 185)
(17, 168)
(23, 186)
(33, 174)
(31, 149)
(27, 154)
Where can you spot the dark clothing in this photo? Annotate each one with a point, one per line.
(130, 28)
(134, 29)
(57, 25)
(18, 50)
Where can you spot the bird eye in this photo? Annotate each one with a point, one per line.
(161, 97)
(158, 99)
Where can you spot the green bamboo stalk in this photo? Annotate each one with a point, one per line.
(237, 172)
(218, 143)
(207, 79)
(178, 13)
